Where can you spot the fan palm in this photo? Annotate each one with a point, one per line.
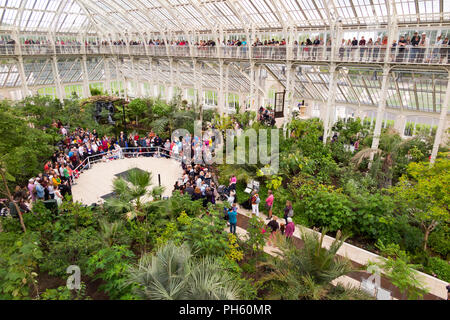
(173, 273)
(129, 196)
(111, 232)
(305, 273)
(390, 143)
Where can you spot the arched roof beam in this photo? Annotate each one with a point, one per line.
(199, 8)
(85, 6)
(174, 15)
(124, 14)
(150, 17)
(19, 15)
(279, 17)
(237, 13)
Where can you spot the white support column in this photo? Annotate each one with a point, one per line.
(60, 93)
(198, 82)
(442, 124)
(23, 78)
(170, 91)
(331, 103)
(227, 87)
(220, 93)
(150, 82)
(290, 44)
(20, 64)
(136, 78)
(252, 87)
(219, 42)
(118, 77)
(289, 95)
(392, 34)
(258, 95)
(107, 76)
(380, 111)
(157, 84)
(178, 83)
(84, 70)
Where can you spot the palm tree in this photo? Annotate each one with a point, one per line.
(390, 143)
(173, 273)
(306, 273)
(129, 195)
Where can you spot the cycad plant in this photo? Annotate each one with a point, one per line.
(130, 195)
(307, 273)
(173, 273)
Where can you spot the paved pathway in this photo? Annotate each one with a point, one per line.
(243, 234)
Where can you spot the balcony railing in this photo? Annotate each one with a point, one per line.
(367, 54)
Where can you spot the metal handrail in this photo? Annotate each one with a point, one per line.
(432, 54)
(87, 162)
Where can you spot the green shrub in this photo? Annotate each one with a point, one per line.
(63, 293)
(19, 258)
(74, 249)
(439, 267)
(329, 209)
(439, 240)
(111, 265)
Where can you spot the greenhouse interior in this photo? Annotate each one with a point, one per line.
(224, 150)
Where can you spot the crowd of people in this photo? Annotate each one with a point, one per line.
(410, 49)
(266, 116)
(64, 167)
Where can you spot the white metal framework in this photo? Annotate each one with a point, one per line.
(186, 16)
(62, 46)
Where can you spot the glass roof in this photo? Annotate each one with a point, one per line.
(139, 16)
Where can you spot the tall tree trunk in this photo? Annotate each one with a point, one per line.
(11, 199)
(425, 239)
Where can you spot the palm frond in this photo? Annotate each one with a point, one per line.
(139, 178)
(121, 189)
(364, 154)
(172, 273)
(117, 205)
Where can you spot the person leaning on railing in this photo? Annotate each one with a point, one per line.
(362, 48)
(445, 50)
(401, 49)
(424, 44)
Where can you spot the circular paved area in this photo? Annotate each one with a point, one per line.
(97, 181)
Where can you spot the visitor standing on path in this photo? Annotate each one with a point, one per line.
(274, 226)
(232, 218)
(269, 204)
(290, 228)
(233, 181)
(255, 203)
(288, 211)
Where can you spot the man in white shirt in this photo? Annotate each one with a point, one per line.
(424, 45)
(81, 151)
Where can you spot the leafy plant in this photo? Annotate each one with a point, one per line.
(400, 272)
(306, 273)
(19, 258)
(63, 293)
(256, 237)
(111, 264)
(423, 195)
(172, 273)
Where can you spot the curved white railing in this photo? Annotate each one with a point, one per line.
(121, 154)
(436, 54)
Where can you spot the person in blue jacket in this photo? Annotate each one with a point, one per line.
(232, 218)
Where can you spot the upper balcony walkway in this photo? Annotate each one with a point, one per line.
(402, 58)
